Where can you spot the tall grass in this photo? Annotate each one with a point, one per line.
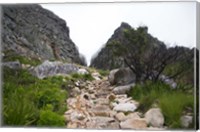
(25, 96)
(171, 102)
(173, 105)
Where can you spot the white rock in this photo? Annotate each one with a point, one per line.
(186, 121)
(125, 107)
(154, 117)
(82, 71)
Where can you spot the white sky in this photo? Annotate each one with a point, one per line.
(91, 25)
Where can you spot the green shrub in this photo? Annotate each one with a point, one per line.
(50, 119)
(25, 95)
(172, 106)
(21, 59)
(103, 72)
(171, 102)
(18, 110)
(82, 76)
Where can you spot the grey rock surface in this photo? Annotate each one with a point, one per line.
(48, 68)
(32, 31)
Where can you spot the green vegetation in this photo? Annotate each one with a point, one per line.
(76, 76)
(10, 56)
(25, 99)
(173, 105)
(172, 102)
(103, 72)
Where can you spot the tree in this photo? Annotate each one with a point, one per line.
(146, 56)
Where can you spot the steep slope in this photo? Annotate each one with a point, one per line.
(106, 59)
(30, 30)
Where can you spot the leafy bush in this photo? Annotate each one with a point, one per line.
(50, 119)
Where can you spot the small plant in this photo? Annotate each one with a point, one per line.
(50, 119)
(82, 76)
(172, 106)
(103, 72)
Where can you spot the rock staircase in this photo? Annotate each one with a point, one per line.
(93, 105)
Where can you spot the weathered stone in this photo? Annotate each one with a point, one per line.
(120, 116)
(32, 31)
(101, 110)
(76, 115)
(72, 125)
(168, 81)
(102, 101)
(123, 89)
(111, 97)
(154, 117)
(75, 91)
(186, 121)
(125, 107)
(12, 64)
(48, 68)
(111, 76)
(134, 115)
(82, 71)
(134, 124)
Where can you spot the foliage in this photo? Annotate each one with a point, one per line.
(10, 56)
(147, 57)
(173, 105)
(82, 76)
(50, 119)
(18, 110)
(171, 102)
(103, 72)
(24, 96)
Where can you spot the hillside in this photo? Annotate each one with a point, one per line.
(31, 31)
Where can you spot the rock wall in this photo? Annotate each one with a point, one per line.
(30, 30)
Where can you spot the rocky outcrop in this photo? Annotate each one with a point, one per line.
(107, 58)
(31, 31)
(12, 64)
(48, 68)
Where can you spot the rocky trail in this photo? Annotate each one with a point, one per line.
(93, 105)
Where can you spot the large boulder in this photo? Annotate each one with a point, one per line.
(122, 76)
(48, 68)
(154, 117)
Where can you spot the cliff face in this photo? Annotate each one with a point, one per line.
(30, 30)
(107, 60)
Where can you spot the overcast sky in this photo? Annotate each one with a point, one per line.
(91, 25)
